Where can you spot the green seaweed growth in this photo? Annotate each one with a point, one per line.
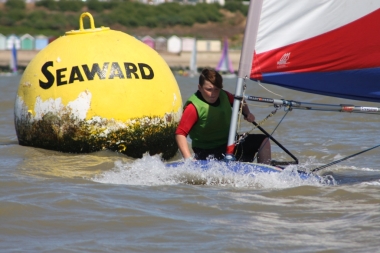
(73, 136)
(145, 138)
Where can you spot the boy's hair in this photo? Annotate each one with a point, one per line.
(212, 76)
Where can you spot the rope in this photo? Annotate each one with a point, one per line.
(345, 158)
(268, 89)
(271, 134)
(265, 119)
(241, 105)
(242, 137)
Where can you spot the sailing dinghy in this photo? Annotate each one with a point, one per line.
(225, 67)
(328, 47)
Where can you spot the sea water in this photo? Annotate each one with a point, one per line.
(106, 202)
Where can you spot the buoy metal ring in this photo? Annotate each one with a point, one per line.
(92, 26)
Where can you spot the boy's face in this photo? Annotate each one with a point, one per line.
(209, 92)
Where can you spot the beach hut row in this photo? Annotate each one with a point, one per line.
(24, 42)
(173, 44)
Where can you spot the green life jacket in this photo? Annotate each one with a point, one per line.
(212, 128)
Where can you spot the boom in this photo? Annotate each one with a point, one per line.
(313, 106)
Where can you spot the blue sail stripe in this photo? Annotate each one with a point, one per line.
(361, 84)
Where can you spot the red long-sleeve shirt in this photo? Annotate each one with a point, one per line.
(190, 117)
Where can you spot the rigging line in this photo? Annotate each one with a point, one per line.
(262, 86)
(278, 144)
(241, 138)
(267, 117)
(270, 136)
(241, 105)
(345, 158)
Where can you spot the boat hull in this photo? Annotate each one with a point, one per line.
(240, 168)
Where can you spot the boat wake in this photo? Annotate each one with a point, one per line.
(151, 171)
(352, 175)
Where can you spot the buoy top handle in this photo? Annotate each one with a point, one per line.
(86, 14)
(92, 26)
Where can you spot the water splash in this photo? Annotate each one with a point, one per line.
(373, 183)
(151, 171)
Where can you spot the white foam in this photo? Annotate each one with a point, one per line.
(151, 171)
(373, 183)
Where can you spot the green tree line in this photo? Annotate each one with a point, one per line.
(52, 17)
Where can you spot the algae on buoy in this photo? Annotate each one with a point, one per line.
(95, 89)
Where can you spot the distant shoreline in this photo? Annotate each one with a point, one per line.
(175, 61)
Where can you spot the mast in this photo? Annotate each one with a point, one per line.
(245, 65)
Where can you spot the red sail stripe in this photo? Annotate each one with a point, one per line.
(353, 46)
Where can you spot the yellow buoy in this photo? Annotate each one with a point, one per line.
(96, 89)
